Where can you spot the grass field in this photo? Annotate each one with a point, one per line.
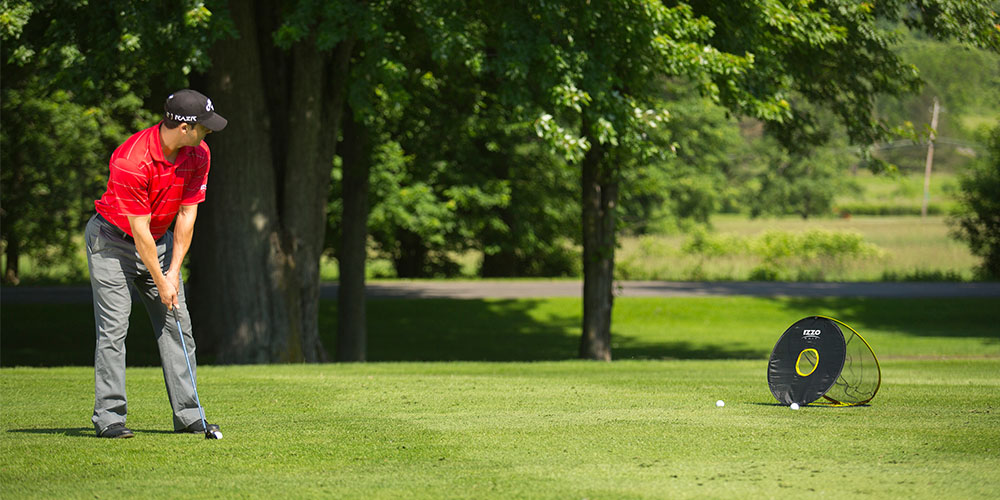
(511, 425)
(509, 430)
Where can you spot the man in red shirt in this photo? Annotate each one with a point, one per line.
(157, 176)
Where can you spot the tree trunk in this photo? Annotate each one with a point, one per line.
(352, 342)
(410, 258)
(255, 260)
(237, 255)
(600, 195)
(13, 254)
(312, 136)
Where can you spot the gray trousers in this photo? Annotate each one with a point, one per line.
(115, 267)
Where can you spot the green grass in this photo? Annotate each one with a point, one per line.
(512, 422)
(634, 429)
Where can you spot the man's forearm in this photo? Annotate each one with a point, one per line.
(146, 246)
(183, 234)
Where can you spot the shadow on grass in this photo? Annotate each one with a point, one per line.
(488, 330)
(814, 405)
(69, 431)
(498, 330)
(624, 347)
(922, 317)
(85, 432)
(63, 335)
(466, 330)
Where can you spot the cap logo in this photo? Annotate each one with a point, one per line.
(208, 105)
(182, 118)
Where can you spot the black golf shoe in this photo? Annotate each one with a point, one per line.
(116, 431)
(196, 428)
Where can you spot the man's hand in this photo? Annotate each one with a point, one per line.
(168, 294)
(174, 278)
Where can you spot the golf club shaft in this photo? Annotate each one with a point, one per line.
(187, 360)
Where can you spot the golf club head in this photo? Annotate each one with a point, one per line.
(212, 432)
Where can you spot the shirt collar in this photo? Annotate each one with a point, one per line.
(155, 146)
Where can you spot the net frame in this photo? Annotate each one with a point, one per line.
(842, 382)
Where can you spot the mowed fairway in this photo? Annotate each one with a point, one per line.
(640, 428)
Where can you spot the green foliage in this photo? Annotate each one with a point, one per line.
(51, 152)
(978, 218)
(887, 208)
(774, 181)
(687, 186)
(479, 110)
(75, 75)
(966, 83)
(464, 173)
(923, 276)
(411, 222)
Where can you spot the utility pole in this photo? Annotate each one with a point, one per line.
(930, 160)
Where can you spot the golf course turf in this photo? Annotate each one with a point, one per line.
(506, 428)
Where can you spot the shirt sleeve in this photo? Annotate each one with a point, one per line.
(131, 187)
(197, 185)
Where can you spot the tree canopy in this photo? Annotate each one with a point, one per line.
(417, 129)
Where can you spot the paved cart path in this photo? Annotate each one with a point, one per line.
(539, 289)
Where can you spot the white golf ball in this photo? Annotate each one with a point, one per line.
(720, 403)
(794, 406)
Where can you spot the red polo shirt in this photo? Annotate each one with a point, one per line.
(142, 182)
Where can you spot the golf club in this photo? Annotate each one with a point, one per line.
(209, 434)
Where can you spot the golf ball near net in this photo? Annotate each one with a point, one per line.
(720, 403)
(794, 406)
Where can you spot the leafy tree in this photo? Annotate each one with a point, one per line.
(298, 75)
(73, 74)
(51, 151)
(965, 82)
(685, 187)
(776, 179)
(281, 80)
(473, 176)
(978, 219)
(589, 73)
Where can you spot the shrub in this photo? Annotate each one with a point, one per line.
(977, 219)
(811, 254)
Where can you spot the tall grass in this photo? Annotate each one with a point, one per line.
(899, 194)
(877, 249)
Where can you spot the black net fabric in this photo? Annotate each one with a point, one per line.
(861, 377)
(814, 336)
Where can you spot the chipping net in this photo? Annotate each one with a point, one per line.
(817, 360)
(861, 376)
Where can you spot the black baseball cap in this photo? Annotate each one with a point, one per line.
(191, 106)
